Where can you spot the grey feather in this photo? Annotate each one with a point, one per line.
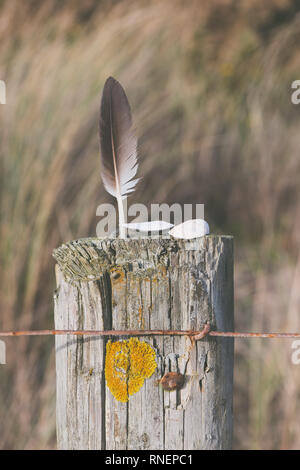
(118, 144)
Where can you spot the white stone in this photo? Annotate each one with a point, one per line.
(193, 228)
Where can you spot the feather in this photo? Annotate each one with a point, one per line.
(118, 145)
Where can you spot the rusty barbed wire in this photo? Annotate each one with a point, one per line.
(194, 335)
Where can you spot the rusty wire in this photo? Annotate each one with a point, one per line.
(194, 335)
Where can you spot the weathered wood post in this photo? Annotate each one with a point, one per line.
(145, 284)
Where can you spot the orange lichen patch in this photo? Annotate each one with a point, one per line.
(127, 364)
(161, 273)
(117, 275)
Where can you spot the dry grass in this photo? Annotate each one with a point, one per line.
(210, 91)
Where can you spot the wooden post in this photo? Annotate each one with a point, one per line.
(145, 284)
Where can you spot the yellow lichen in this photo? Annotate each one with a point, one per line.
(127, 364)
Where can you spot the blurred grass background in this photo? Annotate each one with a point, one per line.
(210, 86)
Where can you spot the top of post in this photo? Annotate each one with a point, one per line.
(86, 259)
